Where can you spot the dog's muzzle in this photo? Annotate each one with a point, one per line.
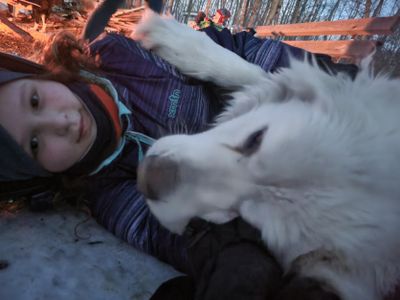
(157, 176)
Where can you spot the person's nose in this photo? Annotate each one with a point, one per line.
(58, 123)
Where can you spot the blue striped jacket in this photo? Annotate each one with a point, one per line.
(162, 101)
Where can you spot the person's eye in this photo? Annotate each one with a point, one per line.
(34, 145)
(35, 100)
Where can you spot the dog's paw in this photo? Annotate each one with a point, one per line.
(147, 30)
(192, 52)
(162, 34)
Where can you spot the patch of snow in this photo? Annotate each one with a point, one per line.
(56, 255)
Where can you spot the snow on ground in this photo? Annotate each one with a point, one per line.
(53, 255)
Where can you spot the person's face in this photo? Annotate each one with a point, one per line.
(48, 121)
(219, 19)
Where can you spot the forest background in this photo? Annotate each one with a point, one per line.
(252, 13)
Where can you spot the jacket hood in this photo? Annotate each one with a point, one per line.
(15, 164)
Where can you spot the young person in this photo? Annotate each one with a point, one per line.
(221, 16)
(84, 119)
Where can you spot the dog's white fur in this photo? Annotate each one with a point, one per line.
(323, 186)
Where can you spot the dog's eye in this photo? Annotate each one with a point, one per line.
(253, 142)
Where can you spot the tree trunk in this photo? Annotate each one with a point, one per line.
(243, 12)
(319, 7)
(296, 12)
(378, 9)
(254, 13)
(312, 11)
(273, 12)
(367, 11)
(236, 16)
(188, 11)
(302, 13)
(333, 11)
(247, 14)
(265, 13)
(170, 6)
(208, 6)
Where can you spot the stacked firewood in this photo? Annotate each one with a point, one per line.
(124, 20)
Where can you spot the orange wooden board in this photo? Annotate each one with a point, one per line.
(342, 48)
(368, 26)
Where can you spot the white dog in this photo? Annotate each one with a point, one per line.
(311, 159)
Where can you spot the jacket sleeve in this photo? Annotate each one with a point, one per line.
(121, 209)
(267, 53)
(118, 55)
(272, 54)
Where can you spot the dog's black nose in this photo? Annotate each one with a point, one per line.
(157, 175)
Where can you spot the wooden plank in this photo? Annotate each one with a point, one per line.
(367, 26)
(24, 2)
(342, 48)
(16, 29)
(137, 10)
(27, 2)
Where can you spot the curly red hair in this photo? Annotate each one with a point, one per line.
(65, 56)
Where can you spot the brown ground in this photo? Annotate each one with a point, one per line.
(21, 45)
(11, 43)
